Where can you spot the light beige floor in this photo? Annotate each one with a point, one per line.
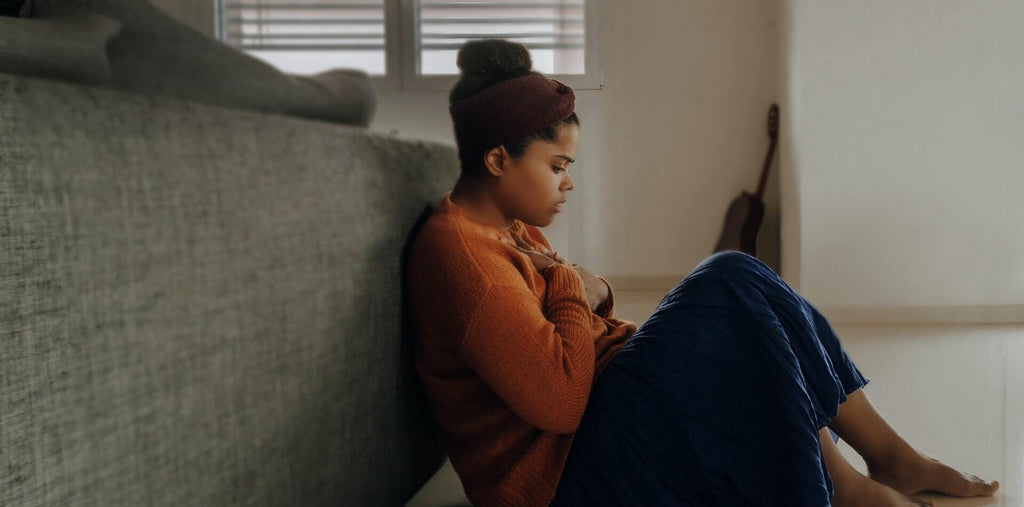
(954, 392)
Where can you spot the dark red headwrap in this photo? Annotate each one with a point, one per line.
(510, 110)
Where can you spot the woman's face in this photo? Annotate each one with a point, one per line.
(533, 187)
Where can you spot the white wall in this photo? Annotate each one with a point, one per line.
(688, 86)
(905, 156)
(678, 129)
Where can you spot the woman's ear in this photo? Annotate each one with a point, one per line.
(494, 160)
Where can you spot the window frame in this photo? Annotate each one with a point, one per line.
(400, 52)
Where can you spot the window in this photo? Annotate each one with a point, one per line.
(309, 36)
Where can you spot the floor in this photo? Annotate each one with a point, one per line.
(955, 392)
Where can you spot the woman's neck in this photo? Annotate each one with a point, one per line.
(473, 196)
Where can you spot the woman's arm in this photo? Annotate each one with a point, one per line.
(537, 356)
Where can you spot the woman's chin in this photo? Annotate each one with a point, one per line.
(540, 223)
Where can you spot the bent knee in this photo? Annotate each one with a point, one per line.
(731, 260)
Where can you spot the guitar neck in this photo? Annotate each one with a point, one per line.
(764, 169)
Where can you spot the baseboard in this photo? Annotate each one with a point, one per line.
(918, 315)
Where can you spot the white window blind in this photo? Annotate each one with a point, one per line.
(307, 36)
(552, 30)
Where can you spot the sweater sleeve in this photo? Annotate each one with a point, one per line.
(538, 357)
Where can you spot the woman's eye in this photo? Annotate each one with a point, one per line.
(556, 168)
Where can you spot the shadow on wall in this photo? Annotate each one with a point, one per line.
(424, 431)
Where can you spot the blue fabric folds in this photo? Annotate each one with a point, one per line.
(716, 400)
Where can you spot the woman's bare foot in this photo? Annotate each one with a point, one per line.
(909, 472)
(860, 491)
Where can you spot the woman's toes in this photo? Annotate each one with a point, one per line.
(981, 487)
(953, 482)
(917, 472)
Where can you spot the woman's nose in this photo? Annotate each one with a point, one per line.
(567, 183)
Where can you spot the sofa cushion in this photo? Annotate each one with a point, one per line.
(10, 7)
(330, 95)
(70, 48)
(155, 54)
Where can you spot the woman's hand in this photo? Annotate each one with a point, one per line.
(541, 259)
(596, 290)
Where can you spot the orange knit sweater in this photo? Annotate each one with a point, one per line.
(507, 356)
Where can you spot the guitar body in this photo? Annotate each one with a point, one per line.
(746, 212)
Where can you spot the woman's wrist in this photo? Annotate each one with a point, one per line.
(547, 269)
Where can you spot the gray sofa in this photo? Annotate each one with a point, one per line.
(203, 306)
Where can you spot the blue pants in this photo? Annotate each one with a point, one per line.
(716, 400)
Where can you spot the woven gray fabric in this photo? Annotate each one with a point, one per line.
(201, 306)
(69, 48)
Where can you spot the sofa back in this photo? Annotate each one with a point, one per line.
(203, 306)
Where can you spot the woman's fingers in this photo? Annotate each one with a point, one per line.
(526, 248)
(532, 254)
(523, 243)
(518, 244)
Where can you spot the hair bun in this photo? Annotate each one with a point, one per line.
(493, 57)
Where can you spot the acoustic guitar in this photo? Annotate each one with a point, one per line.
(746, 211)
